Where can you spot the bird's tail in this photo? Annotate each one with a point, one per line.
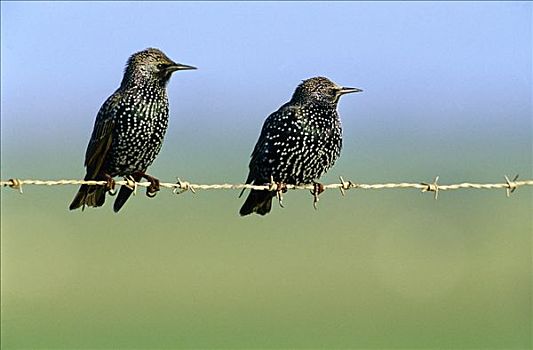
(124, 193)
(91, 196)
(258, 201)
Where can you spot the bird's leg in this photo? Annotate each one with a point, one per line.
(110, 185)
(281, 188)
(151, 190)
(318, 188)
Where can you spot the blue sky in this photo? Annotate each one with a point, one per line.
(430, 71)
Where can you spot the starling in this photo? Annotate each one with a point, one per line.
(298, 143)
(129, 129)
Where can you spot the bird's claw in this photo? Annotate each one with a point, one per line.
(318, 188)
(110, 185)
(280, 189)
(154, 187)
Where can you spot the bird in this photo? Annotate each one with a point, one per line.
(129, 129)
(298, 143)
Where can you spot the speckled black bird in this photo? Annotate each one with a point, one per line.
(129, 129)
(298, 143)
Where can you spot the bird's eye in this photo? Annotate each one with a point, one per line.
(161, 66)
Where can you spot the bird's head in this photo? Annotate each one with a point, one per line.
(321, 90)
(151, 66)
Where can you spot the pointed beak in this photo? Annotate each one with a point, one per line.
(179, 66)
(348, 90)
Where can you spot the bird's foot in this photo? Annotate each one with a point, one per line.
(281, 188)
(110, 185)
(318, 188)
(154, 187)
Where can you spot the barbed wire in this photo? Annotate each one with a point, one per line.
(182, 186)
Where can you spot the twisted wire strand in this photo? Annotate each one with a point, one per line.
(181, 186)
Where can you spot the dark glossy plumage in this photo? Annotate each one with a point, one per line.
(298, 143)
(129, 128)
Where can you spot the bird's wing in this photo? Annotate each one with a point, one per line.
(273, 133)
(101, 138)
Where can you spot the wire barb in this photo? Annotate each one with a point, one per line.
(345, 185)
(511, 185)
(432, 187)
(131, 184)
(183, 186)
(15, 184)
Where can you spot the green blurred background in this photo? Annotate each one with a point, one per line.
(381, 269)
(447, 92)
